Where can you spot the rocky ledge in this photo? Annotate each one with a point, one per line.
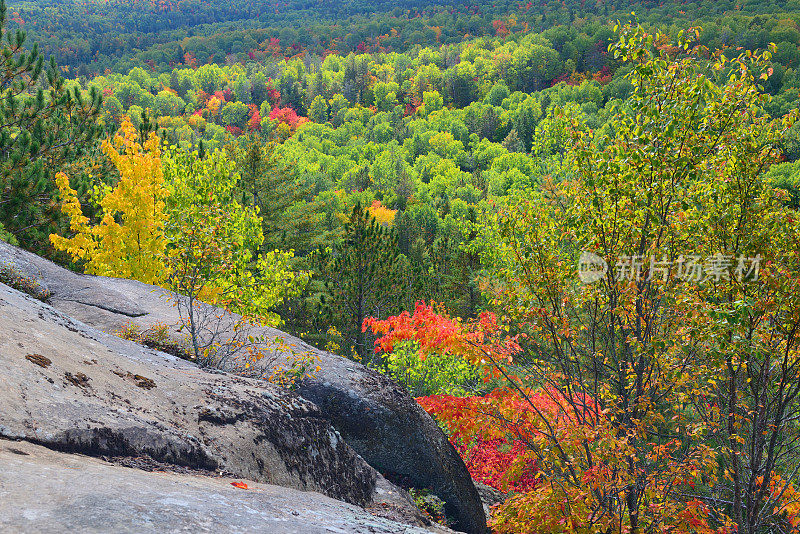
(46, 491)
(223, 420)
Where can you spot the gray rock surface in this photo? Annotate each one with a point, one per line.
(76, 389)
(395, 435)
(382, 423)
(51, 492)
(490, 497)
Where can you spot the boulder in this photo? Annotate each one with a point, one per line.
(374, 415)
(490, 497)
(45, 491)
(392, 432)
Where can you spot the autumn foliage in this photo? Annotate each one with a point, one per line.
(287, 116)
(555, 448)
(173, 219)
(254, 123)
(479, 341)
(129, 240)
(494, 455)
(385, 216)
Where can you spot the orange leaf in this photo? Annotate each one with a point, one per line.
(240, 485)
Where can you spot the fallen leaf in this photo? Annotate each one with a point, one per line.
(240, 485)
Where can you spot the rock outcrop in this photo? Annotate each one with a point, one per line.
(394, 434)
(48, 492)
(75, 389)
(378, 419)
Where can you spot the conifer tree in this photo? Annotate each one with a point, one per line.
(43, 126)
(288, 221)
(513, 143)
(364, 276)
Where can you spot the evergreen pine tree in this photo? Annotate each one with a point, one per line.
(289, 221)
(513, 143)
(364, 276)
(43, 127)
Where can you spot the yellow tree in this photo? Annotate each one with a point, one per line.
(129, 241)
(174, 221)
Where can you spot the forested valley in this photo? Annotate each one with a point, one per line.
(569, 229)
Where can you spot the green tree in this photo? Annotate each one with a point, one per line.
(44, 128)
(289, 220)
(431, 101)
(385, 95)
(131, 93)
(786, 176)
(460, 84)
(234, 114)
(497, 94)
(513, 143)
(209, 78)
(113, 109)
(338, 107)
(168, 104)
(364, 275)
(258, 88)
(318, 111)
(242, 89)
(214, 256)
(527, 116)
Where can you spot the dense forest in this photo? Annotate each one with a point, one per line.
(414, 187)
(89, 37)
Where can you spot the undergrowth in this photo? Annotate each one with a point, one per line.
(155, 337)
(14, 278)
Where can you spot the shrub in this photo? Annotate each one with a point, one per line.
(156, 337)
(282, 364)
(434, 374)
(14, 278)
(429, 504)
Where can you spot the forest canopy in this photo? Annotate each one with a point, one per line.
(570, 229)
